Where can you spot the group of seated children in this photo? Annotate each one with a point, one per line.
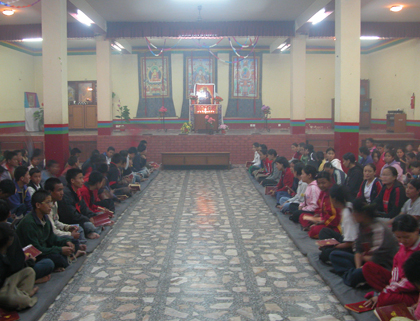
(46, 216)
(369, 215)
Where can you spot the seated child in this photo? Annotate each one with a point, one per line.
(265, 165)
(292, 204)
(310, 202)
(256, 163)
(11, 162)
(7, 189)
(412, 205)
(371, 185)
(36, 229)
(109, 153)
(35, 182)
(73, 162)
(375, 243)
(75, 152)
(303, 157)
(337, 176)
(72, 209)
(392, 196)
(325, 215)
(378, 161)
(140, 161)
(414, 170)
(106, 195)
(332, 159)
(296, 153)
(340, 199)
(54, 186)
(17, 289)
(36, 160)
(18, 261)
(284, 187)
(52, 170)
(89, 193)
(118, 184)
(393, 287)
(268, 166)
(411, 271)
(20, 202)
(274, 177)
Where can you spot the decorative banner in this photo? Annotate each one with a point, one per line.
(154, 77)
(246, 76)
(155, 86)
(199, 71)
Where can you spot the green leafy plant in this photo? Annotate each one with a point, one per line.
(39, 116)
(123, 113)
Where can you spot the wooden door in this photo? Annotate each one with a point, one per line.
(91, 119)
(76, 117)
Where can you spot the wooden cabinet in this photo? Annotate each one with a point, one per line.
(91, 119)
(396, 123)
(83, 117)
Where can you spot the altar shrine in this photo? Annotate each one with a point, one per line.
(202, 108)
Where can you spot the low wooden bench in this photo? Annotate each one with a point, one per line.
(196, 159)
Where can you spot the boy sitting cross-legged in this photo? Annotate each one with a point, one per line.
(56, 188)
(36, 229)
(72, 209)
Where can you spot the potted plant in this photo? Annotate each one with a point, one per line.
(123, 115)
(193, 98)
(186, 128)
(224, 128)
(39, 116)
(162, 111)
(209, 123)
(266, 110)
(217, 99)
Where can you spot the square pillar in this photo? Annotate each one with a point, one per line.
(54, 67)
(104, 85)
(347, 76)
(298, 85)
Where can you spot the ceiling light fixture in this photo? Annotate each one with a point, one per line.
(369, 37)
(8, 12)
(32, 39)
(82, 17)
(119, 45)
(282, 45)
(285, 47)
(319, 16)
(114, 46)
(396, 8)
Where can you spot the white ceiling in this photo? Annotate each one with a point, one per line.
(216, 10)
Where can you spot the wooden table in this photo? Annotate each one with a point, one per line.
(196, 159)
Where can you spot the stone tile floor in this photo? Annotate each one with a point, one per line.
(200, 245)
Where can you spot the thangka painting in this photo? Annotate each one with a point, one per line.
(154, 77)
(200, 71)
(246, 78)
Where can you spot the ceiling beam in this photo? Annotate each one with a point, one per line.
(100, 22)
(308, 13)
(276, 43)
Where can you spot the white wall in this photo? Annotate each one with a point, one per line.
(16, 78)
(394, 75)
